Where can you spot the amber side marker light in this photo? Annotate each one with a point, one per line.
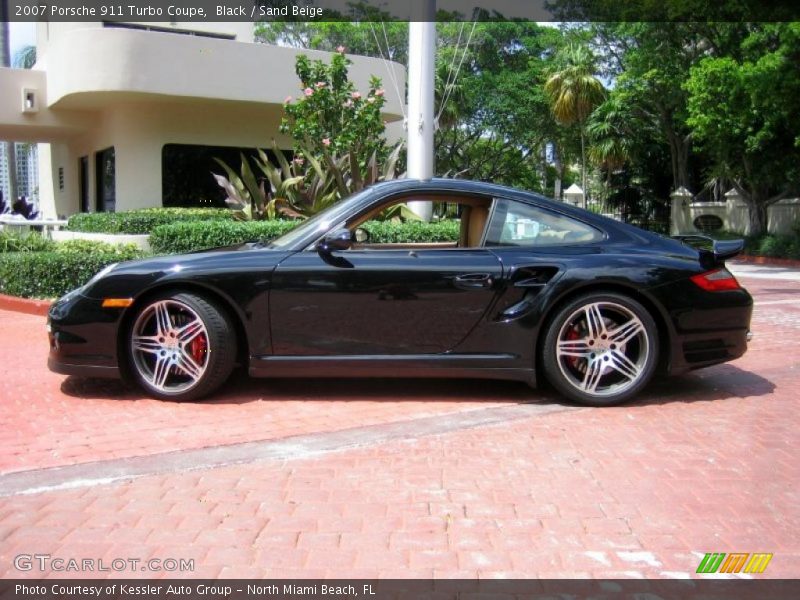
(117, 302)
(718, 280)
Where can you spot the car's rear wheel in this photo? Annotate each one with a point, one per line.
(181, 346)
(600, 349)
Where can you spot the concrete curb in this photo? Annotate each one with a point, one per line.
(25, 305)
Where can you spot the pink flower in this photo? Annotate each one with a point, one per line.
(299, 160)
(326, 141)
(320, 84)
(308, 91)
(356, 95)
(340, 49)
(379, 92)
(288, 99)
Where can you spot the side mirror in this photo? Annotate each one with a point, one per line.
(338, 239)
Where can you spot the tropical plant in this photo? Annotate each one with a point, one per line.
(574, 92)
(339, 148)
(293, 189)
(25, 57)
(610, 142)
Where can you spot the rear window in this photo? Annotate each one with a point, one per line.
(518, 224)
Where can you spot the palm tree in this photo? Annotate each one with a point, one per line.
(25, 57)
(609, 141)
(574, 92)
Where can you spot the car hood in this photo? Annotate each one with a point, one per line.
(132, 277)
(212, 258)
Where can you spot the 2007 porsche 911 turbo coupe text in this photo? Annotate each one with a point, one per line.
(531, 289)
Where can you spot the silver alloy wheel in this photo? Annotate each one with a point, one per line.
(602, 349)
(170, 346)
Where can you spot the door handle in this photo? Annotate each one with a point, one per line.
(471, 281)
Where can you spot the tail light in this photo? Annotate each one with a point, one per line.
(718, 280)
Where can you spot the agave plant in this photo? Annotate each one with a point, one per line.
(248, 195)
(301, 187)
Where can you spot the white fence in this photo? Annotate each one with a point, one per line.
(731, 215)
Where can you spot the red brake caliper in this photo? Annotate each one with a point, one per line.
(198, 348)
(573, 334)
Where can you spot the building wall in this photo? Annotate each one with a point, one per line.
(139, 90)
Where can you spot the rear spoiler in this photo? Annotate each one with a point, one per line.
(716, 251)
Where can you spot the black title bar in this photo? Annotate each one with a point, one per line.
(399, 10)
(386, 589)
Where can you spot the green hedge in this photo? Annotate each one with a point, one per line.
(53, 273)
(144, 220)
(389, 232)
(775, 246)
(188, 237)
(28, 242)
(785, 245)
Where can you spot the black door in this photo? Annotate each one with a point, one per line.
(375, 301)
(105, 180)
(83, 182)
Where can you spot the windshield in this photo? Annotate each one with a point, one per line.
(319, 223)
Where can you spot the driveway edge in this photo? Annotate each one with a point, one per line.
(28, 306)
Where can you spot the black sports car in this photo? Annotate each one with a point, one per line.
(532, 287)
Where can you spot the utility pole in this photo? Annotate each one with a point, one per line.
(421, 61)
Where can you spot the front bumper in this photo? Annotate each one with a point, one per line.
(81, 370)
(83, 337)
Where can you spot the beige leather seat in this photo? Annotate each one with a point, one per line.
(476, 224)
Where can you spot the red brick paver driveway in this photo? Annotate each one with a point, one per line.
(704, 463)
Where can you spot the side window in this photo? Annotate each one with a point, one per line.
(455, 222)
(517, 224)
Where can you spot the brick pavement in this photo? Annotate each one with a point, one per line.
(50, 420)
(704, 463)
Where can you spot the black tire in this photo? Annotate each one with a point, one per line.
(180, 346)
(600, 349)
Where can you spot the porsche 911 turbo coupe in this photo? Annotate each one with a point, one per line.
(531, 289)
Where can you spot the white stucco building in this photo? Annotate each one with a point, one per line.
(131, 115)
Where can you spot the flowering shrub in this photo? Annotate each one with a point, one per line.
(339, 148)
(333, 121)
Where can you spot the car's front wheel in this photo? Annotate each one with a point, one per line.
(181, 346)
(600, 349)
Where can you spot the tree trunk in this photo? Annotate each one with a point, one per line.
(757, 213)
(583, 170)
(558, 166)
(543, 166)
(679, 156)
